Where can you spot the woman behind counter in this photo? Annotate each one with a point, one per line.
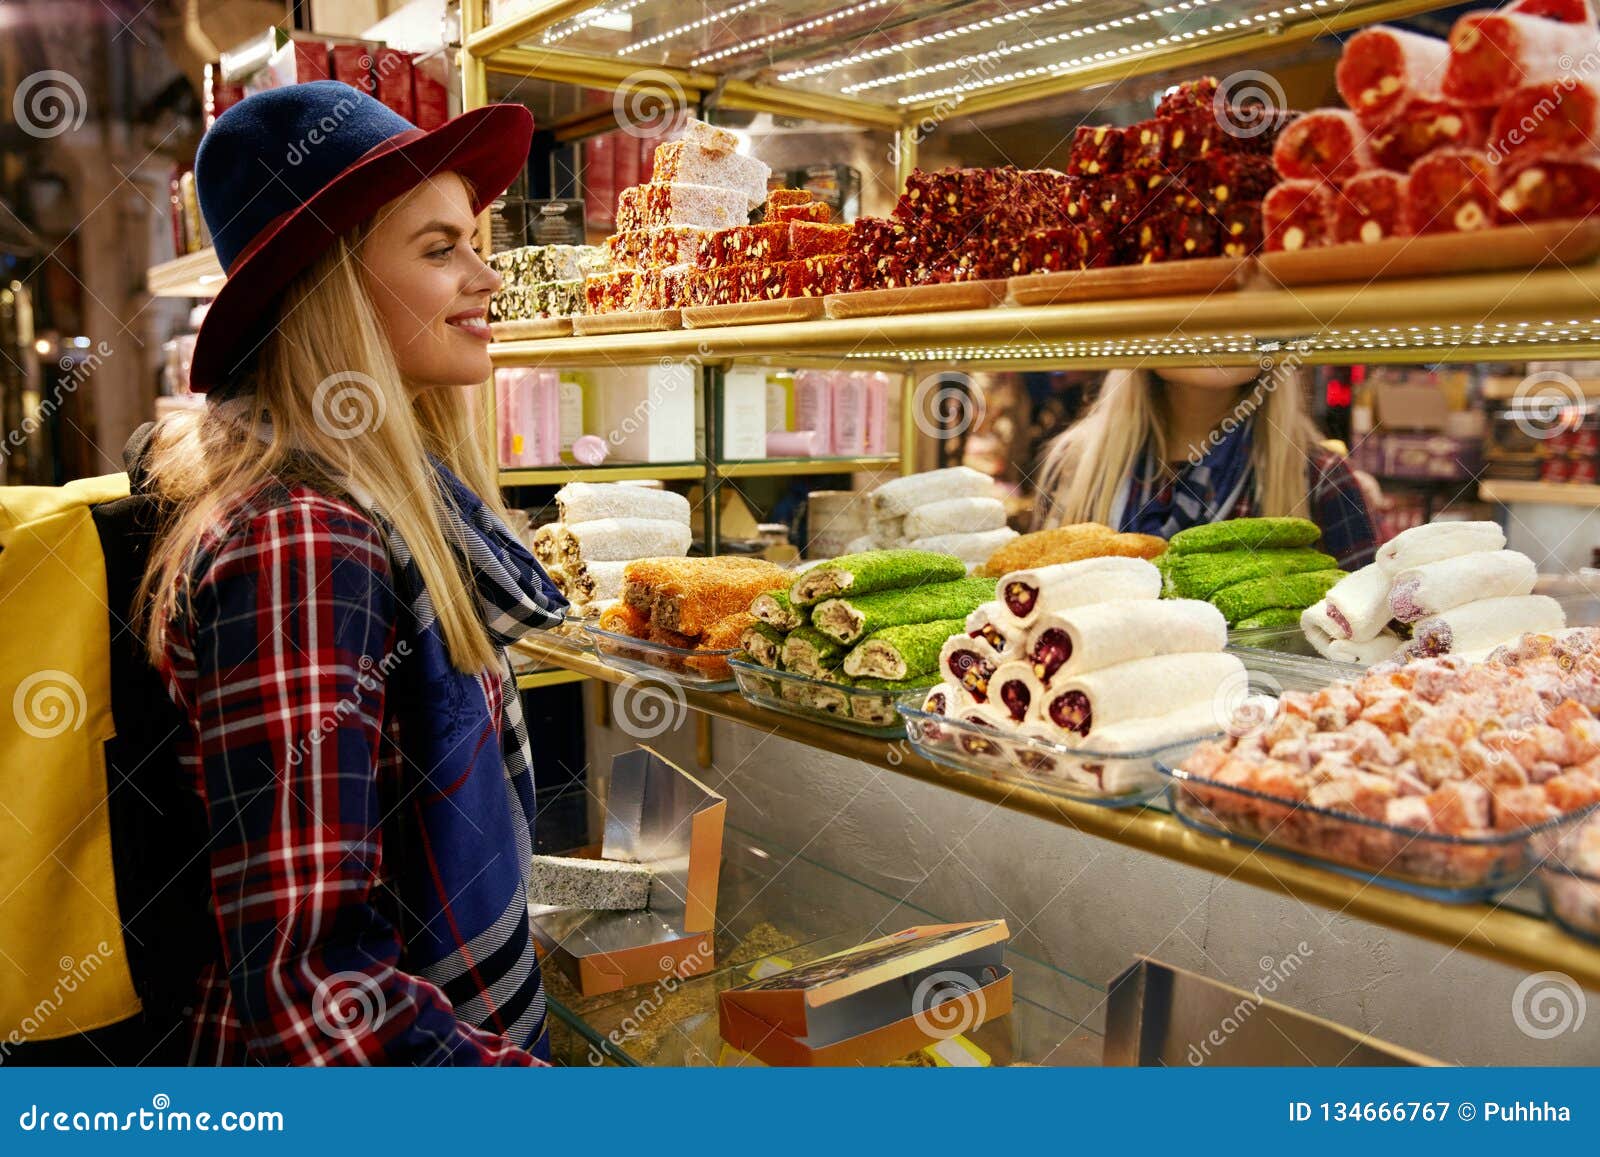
(1161, 451)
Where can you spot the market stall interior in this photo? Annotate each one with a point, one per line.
(795, 295)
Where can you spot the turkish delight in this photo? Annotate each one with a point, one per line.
(1189, 137)
(811, 239)
(1141, 147)
(709, 137)
(641, 248)
(1549, 118)
(1231, 177)
(661, 287)
(1329, 144)
(685, 162)
(1566, 11)
(1294, 215)
(611, 292)
(1383, 69)
(1492, 54)
(1368, 208)
(1192, 236)
(813, 211)
(655, 205)
(1239, 228)
(1426, 125)
(1190, 96)
(758, 243)
(1096, 150)
(1550, 189)
(1451, 190)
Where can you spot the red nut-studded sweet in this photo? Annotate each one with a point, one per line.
(1426, 125)
(1368, 208)
(1294, 216)
(1239, 228)
(1096, 150)
(1451, 190)
(1329, 144)
(1492, 54)
(1552, 118)
(1550, 189)
(1383, 69)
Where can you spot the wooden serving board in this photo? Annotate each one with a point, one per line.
(1159, 279)
(915, 299)
(753, 312)
(588, 324)
(1437, 254)
(531, 329)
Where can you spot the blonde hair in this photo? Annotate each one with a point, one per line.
(342, 419)
(1085, 466)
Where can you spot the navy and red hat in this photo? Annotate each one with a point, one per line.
(283, 174)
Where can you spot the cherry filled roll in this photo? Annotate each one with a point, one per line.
(1545, 119)
(1425, 126)
(1551, 189)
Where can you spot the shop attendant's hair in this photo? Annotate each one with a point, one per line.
(1085, 465)
(204, 461)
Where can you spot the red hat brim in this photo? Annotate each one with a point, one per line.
(488, 146)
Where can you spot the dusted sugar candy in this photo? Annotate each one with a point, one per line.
(810, 239)
(1550, 189)
(686, 162)
(611, 292)
(655, 205)
(1329, 144)
(1450, 191)
(1382, 69)
(642, 248)
(709, 137)
(1294, 216)
(1566, 11)
(1096, 149)
(1492, 54)
(598, 885)
(816, 212)
(1239, 228)
(1547, 119)
(1369, 208)
(1424, 126)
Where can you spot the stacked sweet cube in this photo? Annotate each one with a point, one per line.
(789, 253)
(699, 184)
(1186, 183)
(1497, 125)
(542, 280)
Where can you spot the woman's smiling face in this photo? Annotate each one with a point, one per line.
(429, 286)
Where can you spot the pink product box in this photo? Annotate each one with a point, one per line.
(813, 408)
(528, 406)
(849, 414)
(794, 444)
(877, 437)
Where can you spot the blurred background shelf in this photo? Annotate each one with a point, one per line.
(628, 472)
(1553, 493)
(195, 275)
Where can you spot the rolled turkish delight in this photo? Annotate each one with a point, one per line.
(1452, 582)
(808, 651)
(1551, 118)
(1492, 54)
(1451, 190)
(1119, 693)
(873, 570)
(848, 620)
(587, 501)
(774, 608)
(1368, 208)
(1358, 604)
(1087, 638)
(763, 643)
(1424, 126)
(903, 652)
(968, 662)
(989, 622)
(1481, 625)
(655, 205)
(1566, 11)
(1294, 215)
(1329, 144)
(1382, 69)
(1550, 189)
(1017, 690)
(1436, 540)
(1025, 595)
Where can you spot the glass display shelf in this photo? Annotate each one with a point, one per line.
(777, 908)
(1512, 930)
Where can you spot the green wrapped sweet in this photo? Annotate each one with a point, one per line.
(874, 570)
(852, 618)
(1246, 534)
(879, 710)
(1269, 618)
(763, 643)
(1299, 591)
(1201, 575)
(808, 651)
(902, 652)
(774, 608)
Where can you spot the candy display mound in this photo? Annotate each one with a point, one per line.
(1431, 775)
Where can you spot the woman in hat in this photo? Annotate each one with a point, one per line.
(331, 599)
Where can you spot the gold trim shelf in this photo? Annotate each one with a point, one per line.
(1496, 933)
(1507, 490)
(194, 275)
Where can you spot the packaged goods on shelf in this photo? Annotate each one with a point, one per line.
(646, 413)
(528, 417)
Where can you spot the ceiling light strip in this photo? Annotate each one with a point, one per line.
(588, 18)
(692, 26)
(788, 32)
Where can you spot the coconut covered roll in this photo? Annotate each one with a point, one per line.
(1358, 604)
(1483, 625)
(588, 582)
(969, 663)
(1438, 540)
(774, 608)
(807, 651)
(946, 699)
(544, 544)
(1084, 704)
(955, 516)
(991, 623)
(621, 539)
(872, 571)
(971, 548)
(591, 501)
(903, 652)
(1440, 586)
(1026, 594)
(1017, 690)
(987, 717)
(764, 644)
(1066, 643)
(1324, 636)
(851, 619)
(900, 496)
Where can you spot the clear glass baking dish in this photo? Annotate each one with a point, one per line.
(1122, 779)
(702, 670)
(1455, 869)
(868, 711)
(1570, 886)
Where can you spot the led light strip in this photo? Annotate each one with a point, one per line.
(674, 33)
(1027, 46)
(1067, 66)
(588, 18)
(933, 38)
(789, 32)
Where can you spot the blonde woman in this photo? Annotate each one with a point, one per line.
(1164, 450)
(333, 594)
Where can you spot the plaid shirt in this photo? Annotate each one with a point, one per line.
(279, 654)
